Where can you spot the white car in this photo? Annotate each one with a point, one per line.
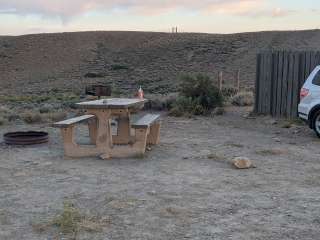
(309, 107)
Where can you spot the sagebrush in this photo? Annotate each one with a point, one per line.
(197, 96)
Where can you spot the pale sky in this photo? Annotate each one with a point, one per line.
(212, 16)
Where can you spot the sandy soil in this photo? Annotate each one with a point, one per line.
(185, 188)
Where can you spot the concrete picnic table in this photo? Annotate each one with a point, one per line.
(98, 115)
(104, 110)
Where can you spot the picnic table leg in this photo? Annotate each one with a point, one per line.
(141, 140)
(93, 130)
(123, 131)
(104, 135)
(154, 135)
(72, 149)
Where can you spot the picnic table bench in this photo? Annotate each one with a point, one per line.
(98, 116)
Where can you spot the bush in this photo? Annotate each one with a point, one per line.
(31, 117)
(218, 111)
(116, 67)
(56, 116)
(229, 92)
(2, 121)
(198, 96)
(243, 99)
(186, 106)
(68, 221)
(160, 102)
(94, 75)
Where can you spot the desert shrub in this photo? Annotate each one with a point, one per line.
(243, 99)
(94, 75)
(157, 104)
(218, 111)
(69, 219)
(13, 116)
(4, 110)
(31, 117)
(2, 121)
(197, 96)
(160, 102)
(229, 91)
(46, 108)
(116, 67)
(70, 222)
(25, 99)
(186, 106)
(56, 116)
(7, 114)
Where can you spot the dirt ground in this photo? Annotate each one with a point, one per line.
(185, 188)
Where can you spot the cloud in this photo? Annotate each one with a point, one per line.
(67, 9)
(70, 8)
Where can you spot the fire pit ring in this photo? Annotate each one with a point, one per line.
(25, 138)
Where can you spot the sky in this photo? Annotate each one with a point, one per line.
(18, 17)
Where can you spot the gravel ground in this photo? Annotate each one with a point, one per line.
(185, 188)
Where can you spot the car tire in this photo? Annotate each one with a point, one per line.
(316, 122)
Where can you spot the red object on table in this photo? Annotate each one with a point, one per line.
(140, 93)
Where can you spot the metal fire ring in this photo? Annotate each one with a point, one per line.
(25, 138)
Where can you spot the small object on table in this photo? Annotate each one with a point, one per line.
(140, 93)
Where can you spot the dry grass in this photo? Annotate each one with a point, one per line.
(215, 156)
(232, 144)
(122, 203)
(291, 123)
(270, 152)
(5, 115)
(4, 218)
(70, 222)
(2, 121)
(176, 212)
(243, 99)
(287, 124)
(55, 116)
(31, 117)
(218, 111)
(160, 102)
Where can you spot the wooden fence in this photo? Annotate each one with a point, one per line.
(280, 75)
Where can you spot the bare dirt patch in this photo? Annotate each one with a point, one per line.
(185, 188)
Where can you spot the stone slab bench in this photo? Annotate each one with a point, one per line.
(72, 121)
(148, 125)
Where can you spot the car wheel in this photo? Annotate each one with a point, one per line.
(316, 123)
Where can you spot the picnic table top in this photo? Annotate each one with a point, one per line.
(111, 103)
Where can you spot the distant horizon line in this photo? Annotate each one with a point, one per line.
(167, 32)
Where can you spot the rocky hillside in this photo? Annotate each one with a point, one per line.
(69, 61)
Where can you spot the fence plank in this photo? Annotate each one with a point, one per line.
(274, 83)
(257, 90)
(284, 89)
(268, 85)
(308, 66)
(261, 86)
(279, 80)
(290, 85)
(317, 57)
(313, 63)
(302, 69)
(295, 85)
